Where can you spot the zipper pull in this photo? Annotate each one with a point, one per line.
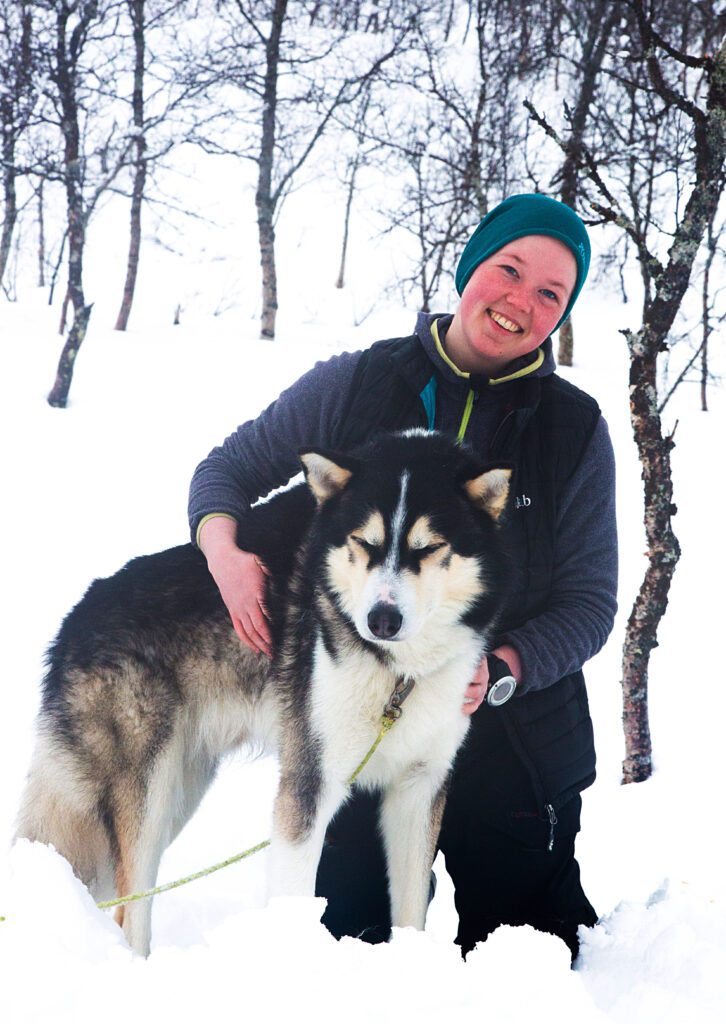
(553, 821)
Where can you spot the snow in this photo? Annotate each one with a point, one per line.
(88, 487)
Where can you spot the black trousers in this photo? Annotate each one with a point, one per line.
(495, 843)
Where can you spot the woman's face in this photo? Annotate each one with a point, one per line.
(511, 303)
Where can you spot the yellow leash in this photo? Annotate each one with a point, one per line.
(391, 713)
(105, 904)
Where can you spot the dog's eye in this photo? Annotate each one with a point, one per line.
(428, 550)
(366, 545)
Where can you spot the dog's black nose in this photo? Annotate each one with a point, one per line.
(384, 620)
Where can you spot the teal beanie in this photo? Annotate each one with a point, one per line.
(530, 214)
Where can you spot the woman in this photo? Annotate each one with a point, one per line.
(486, 375)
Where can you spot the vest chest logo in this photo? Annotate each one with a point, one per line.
(522, 501)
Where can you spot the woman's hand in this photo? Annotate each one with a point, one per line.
(240, 577)
(476, 691)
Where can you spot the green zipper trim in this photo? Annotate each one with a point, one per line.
(530, 368)
(429, 393)
(442, 352)
(466, 417)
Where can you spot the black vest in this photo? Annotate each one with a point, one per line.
(544, 437)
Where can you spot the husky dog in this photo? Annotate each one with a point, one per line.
(386, 570)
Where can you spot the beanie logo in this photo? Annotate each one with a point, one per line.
(522, 501)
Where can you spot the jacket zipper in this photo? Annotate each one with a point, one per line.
(553, 821)
(497, 432)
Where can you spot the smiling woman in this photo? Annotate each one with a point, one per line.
(484, 376)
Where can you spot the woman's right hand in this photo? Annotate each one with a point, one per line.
(240, 577)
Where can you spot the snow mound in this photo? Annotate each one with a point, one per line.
(659, 960)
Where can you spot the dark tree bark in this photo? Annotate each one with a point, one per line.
(58, 397)
(350, 192)
(264, 197)
(67, 52)
(10, 209)
(41, 234)
(137, 13)
(16, 102)
(566, 348)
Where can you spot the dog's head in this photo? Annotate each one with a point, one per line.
(407, 533)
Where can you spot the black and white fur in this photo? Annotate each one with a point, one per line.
(388, 564)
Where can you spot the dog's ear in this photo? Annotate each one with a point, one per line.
(326, 473)
(490, 490)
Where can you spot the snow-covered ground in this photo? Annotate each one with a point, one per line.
(89, 487)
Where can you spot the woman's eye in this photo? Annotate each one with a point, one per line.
(512, 271)
(548, 294)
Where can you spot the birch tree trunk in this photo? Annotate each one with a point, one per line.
(10, 211)
(41, 235)
(264, 198)
(137, 13)
(66, 54)
(340, 281)
(17, 99)
(654, 449)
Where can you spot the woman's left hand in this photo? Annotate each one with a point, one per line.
(476, 691)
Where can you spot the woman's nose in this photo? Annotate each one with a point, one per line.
(518, 296)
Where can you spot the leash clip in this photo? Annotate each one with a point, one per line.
(393, 709)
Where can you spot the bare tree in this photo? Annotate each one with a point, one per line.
(137, 14)
(265, 198)
(18, 91)
(691, 91)
(77, 86)
(64, 71)
(359, 157)
(162, 105)
(708, 132)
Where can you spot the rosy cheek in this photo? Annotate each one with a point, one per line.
(469, 304)
(546, 323)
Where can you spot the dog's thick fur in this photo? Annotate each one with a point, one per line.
(387, 565)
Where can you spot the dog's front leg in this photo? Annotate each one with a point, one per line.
(411, 814)
(303, 809)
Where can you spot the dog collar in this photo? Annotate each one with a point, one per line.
(393, 709)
